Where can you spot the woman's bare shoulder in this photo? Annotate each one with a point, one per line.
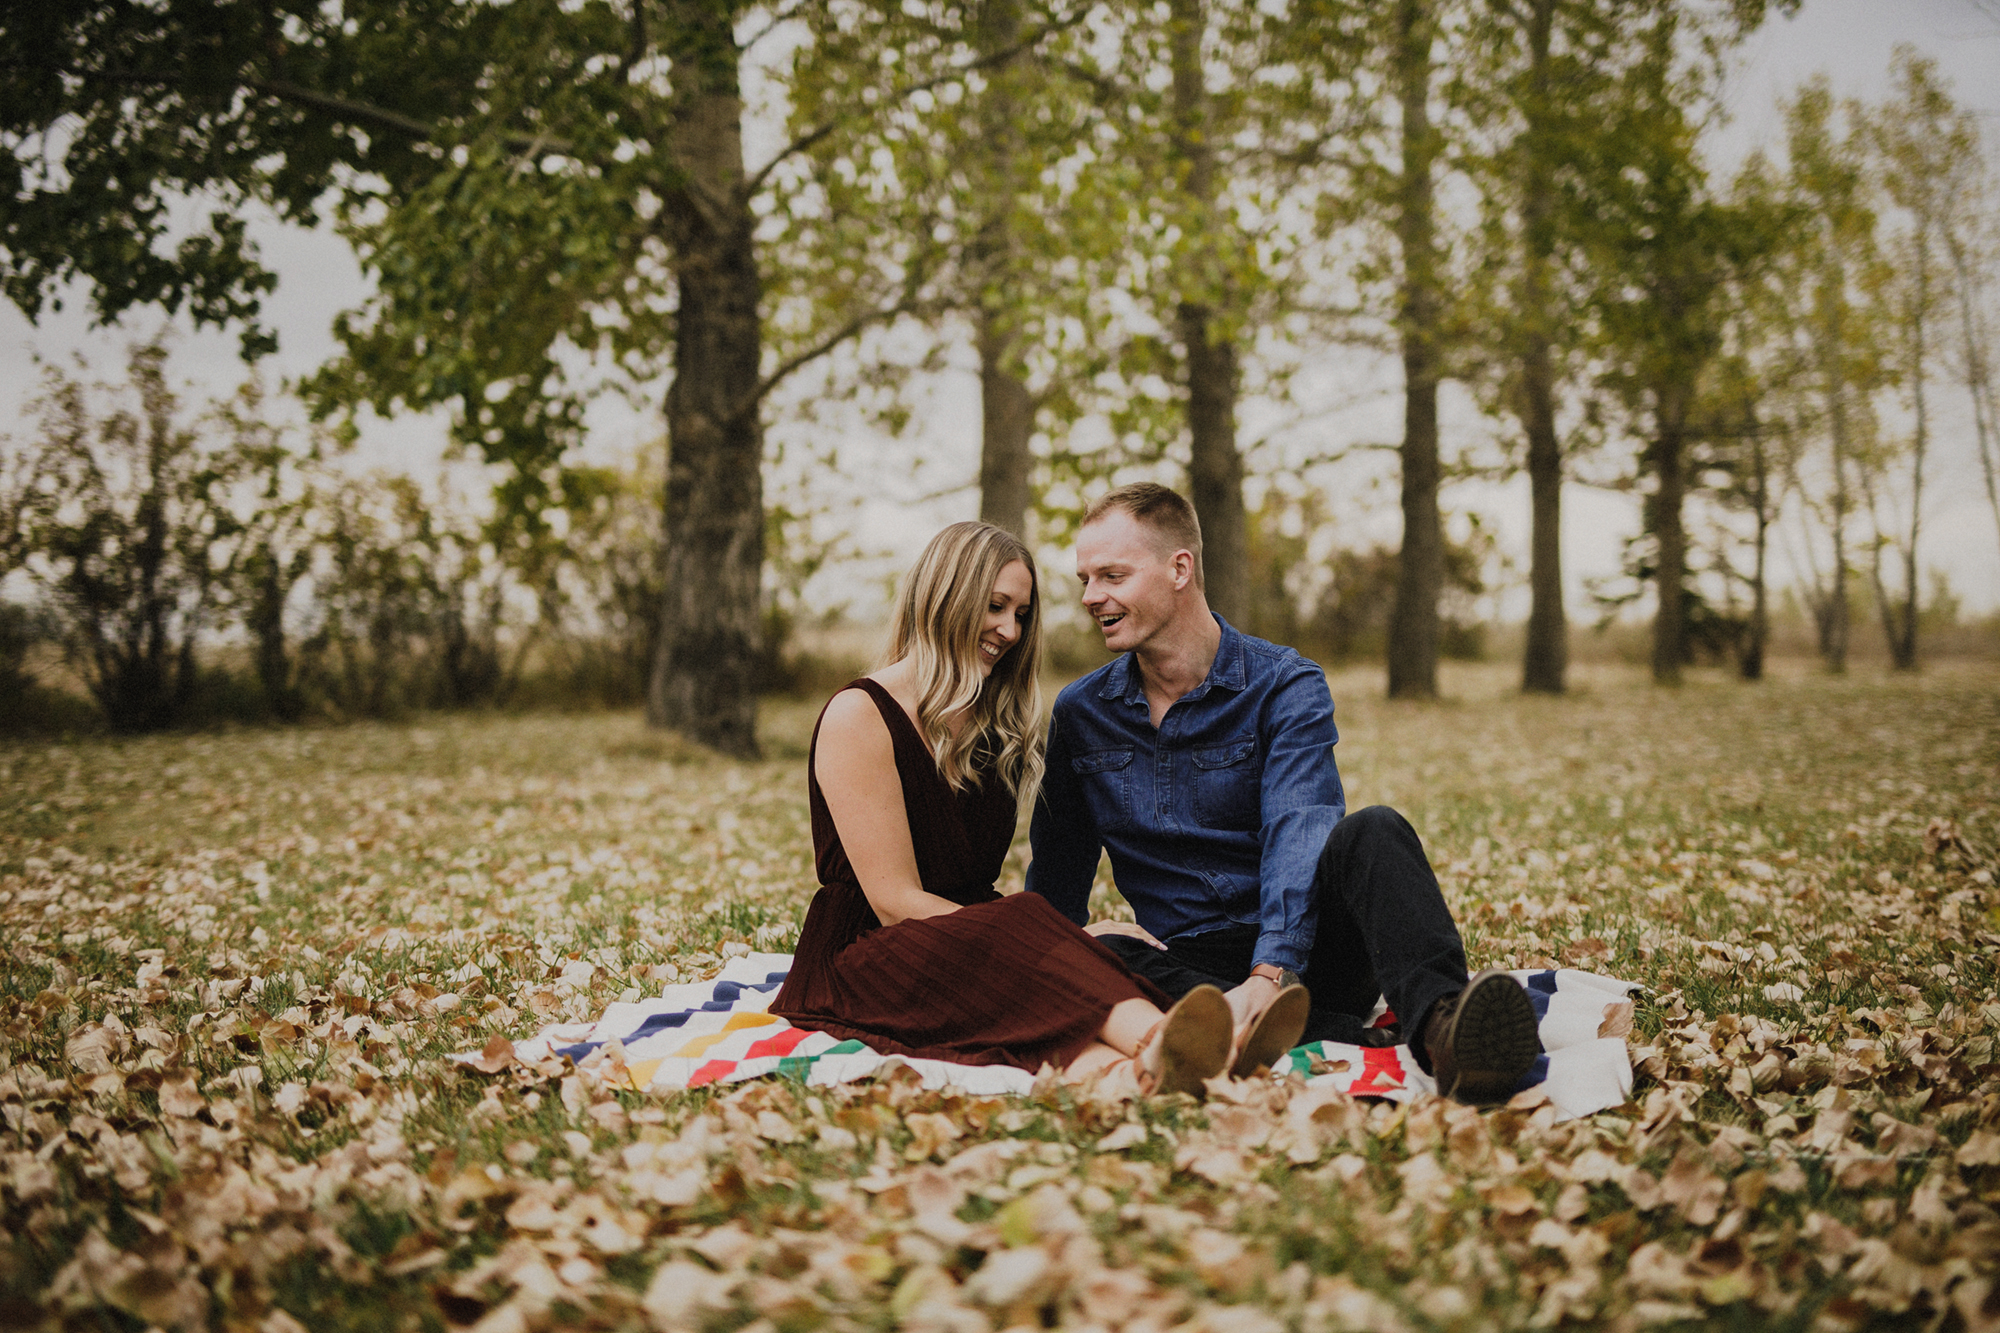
(852, 718)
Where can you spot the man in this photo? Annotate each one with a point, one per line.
(1202, 761)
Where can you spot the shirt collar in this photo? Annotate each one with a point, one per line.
(1228, 671)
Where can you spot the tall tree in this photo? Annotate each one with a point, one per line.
(1971, 244)
(1007, 407)
(1754, 409)
(1208, 347)
(1837, 263)
(1918, 138)
(1164, 216)
(1663, 251)
(710, 630)
(1413, 624)
(1545, 655)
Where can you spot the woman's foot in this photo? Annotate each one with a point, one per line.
(1190, 1045)
(1269, 1033)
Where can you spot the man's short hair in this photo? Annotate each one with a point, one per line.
(1161, 508)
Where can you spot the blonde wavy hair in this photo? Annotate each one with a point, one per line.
(938, 617)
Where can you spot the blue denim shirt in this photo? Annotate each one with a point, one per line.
(1217, 818)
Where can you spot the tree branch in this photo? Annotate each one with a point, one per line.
(819, 132)
(1107, 88)
(284, 90)
(777, 20)
(348, 109)
(344, 108)
(636, 51)
(853, 328)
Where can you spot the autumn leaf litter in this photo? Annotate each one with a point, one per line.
(237, 963)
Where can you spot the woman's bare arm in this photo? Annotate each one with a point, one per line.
(856, 767)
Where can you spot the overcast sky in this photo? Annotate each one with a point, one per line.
(1849, 40)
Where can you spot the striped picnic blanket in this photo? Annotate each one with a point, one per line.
(718, 1032)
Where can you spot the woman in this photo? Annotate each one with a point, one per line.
(914, 779)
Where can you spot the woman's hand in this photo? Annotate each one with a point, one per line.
(1136, 931)
(856, 766)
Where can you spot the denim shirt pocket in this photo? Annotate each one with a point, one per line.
(1107, 785)
(1228, 785)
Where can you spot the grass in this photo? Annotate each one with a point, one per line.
(236, 961)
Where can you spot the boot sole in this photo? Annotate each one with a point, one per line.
(1194, 1046)
(1276, 1031)
(1493, 1037)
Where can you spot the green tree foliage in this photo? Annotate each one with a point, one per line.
(1543, 79)
(1834, 276)
(1359, 119)
(1925, 152)
(1148, 212)
(533, 187)
(971, 199)
(1663, 252)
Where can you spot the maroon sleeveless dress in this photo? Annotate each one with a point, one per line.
(1001, 981)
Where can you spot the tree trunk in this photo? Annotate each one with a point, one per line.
(1007, 409)
(1670, 642)
(1413, 628)
(1007, 421)
(1545, 658)
(1833, 624)
(1903, 632)
(710, 634)
(1834, 633)
(264, 617)
(1751, 664)
(1671, 577)
(1215, 468)
(1973, 359)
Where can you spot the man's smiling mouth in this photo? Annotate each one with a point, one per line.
(1106, 622)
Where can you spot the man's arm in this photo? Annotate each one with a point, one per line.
(1062, 837)
(1301, 802)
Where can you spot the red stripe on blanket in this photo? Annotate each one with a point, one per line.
(710, 1072)
(779, 1045)
(1381, 1071)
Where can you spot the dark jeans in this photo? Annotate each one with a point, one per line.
(1384, 930)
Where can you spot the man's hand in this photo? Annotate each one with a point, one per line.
(1250, 998)
(1136, 931)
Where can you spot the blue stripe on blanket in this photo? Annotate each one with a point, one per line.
(727, 993)
(1541, 988)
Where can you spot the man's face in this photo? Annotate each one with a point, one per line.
(1131, 586)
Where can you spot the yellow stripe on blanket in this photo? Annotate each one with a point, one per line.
(736, 1023)
(641, 1073)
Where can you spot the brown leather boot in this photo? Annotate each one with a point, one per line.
(1187, 1047)
(1481, 1040)
(1270, 1032)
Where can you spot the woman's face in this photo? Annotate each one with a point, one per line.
(1008, 607)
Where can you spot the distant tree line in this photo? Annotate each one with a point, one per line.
(195, 568)
(1139, 214)
(189, 565)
